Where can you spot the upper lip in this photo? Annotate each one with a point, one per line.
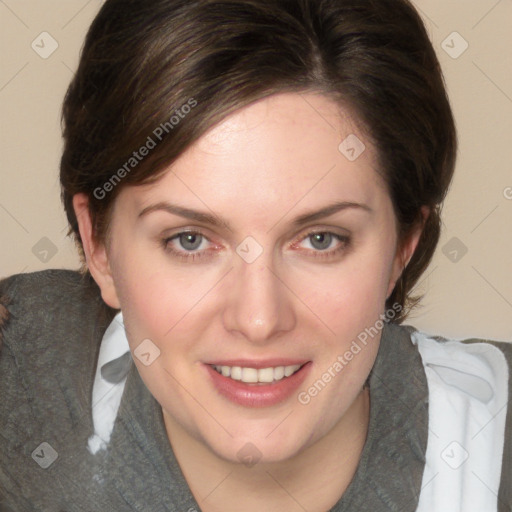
(251, 363)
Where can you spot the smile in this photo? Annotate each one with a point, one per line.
(270, 384)
(254, 375)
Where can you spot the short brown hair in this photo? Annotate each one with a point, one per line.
(142, 62)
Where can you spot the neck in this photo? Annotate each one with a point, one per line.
(313, 480)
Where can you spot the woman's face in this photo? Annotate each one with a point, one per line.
(266, 245)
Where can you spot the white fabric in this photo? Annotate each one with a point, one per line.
(468, 395)
(106, 397)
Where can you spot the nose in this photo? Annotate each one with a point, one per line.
(260, 306)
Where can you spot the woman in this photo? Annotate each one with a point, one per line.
(255, 188)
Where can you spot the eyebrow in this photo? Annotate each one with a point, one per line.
(330, 210)
(214, 220)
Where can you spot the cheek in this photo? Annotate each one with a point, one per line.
(350, 297)
(151, 300)
(165, 303)
(156, 307)
(152, 304)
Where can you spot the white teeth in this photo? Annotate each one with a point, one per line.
(288, 370)
(236, 373)
(279, 372)
(249, 375)
(253, 375)
(265, 375)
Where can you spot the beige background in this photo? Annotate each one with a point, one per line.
(471, 296)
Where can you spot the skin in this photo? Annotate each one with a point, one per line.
(258, 170)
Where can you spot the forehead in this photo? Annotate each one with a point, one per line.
(271, 154)
(312, 124)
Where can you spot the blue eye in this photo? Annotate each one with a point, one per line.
(187, 245)
(190, 241)
(321, 241)
(324, 244)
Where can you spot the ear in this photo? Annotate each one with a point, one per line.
(406, 250)
(96, 256)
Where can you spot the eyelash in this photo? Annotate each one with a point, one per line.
(345, 242)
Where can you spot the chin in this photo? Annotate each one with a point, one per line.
(266, 445)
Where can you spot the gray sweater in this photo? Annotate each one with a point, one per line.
(51, 327)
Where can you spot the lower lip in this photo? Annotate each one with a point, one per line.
(258, 395)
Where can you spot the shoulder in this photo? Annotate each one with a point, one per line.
(435, 346)
(51, 326)
(476, 366)
(48, 318)
(50, 300)
(470, 387)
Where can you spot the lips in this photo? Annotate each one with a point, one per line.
(257, 384)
